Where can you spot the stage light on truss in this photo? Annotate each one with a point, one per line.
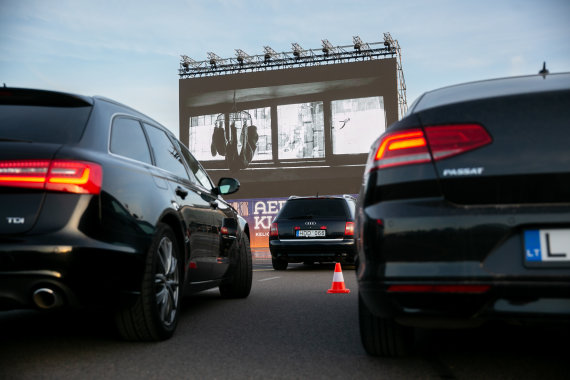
(297, 50)
(357, 42)
(327, 47)
(214, 59)
(388, 41)
(269, 53)
(186, 62)
(242, 56)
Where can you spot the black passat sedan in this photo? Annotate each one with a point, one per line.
(464, 212)
(313, 229)
(102, 206)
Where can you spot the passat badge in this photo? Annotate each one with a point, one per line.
(462, 172)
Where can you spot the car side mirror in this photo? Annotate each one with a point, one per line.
(227, 186)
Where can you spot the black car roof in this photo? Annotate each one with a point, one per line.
(27, 96)
(49, 98)
(491, 88)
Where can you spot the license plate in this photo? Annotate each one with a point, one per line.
(547, 246)
(311, 233)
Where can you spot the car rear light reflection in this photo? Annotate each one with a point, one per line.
(349, 229)
(413, 146)
(274, 231)
(473, 289)
(57, 175)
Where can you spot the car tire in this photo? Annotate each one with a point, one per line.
(154, 314)
(279, 264)
(383, 336)
(238, 285)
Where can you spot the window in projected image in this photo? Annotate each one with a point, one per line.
(201, 136)
(208, 139)
(356, 123)
(301, 130)
(261, 119)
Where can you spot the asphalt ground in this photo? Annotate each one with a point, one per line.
(288, 328)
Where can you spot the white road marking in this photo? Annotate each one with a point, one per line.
(269, 278)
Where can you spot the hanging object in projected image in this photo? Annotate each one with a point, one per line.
(237, 141)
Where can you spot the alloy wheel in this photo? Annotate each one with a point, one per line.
(166, 281)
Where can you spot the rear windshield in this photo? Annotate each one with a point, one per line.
(314, 208)
(62, 125)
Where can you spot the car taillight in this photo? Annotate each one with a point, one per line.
(450, 140)
(55, 175)
(274, 231)
(402, 148)
(413, 146)
(349, 229)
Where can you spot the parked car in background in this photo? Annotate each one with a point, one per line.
(102, 206)
(464, 212)
(313, 229)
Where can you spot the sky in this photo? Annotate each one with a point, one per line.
(130, 51)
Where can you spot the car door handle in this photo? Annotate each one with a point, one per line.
(181, 192)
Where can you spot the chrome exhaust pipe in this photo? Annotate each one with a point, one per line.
(46, 298)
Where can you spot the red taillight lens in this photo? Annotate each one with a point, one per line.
(450, 140)
(57, 175)
(402, 148)
(75, 177)
(349, 229)
(274, 231)
(473, 289)
(412, 146)
(29, 174)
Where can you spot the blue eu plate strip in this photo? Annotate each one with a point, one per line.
(532, 245)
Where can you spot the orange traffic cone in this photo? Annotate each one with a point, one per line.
(338, 281)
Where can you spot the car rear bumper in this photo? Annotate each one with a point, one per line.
(504, 300)
(313, 250)
(97, 274)
(431, 243)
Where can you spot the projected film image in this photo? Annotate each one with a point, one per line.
(354, 118)
(300, 130)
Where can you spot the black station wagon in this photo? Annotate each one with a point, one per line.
(313, 229)
(101, 205)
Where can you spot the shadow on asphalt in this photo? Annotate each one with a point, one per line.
(98, 324)
(37, 325)
(542, 339)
